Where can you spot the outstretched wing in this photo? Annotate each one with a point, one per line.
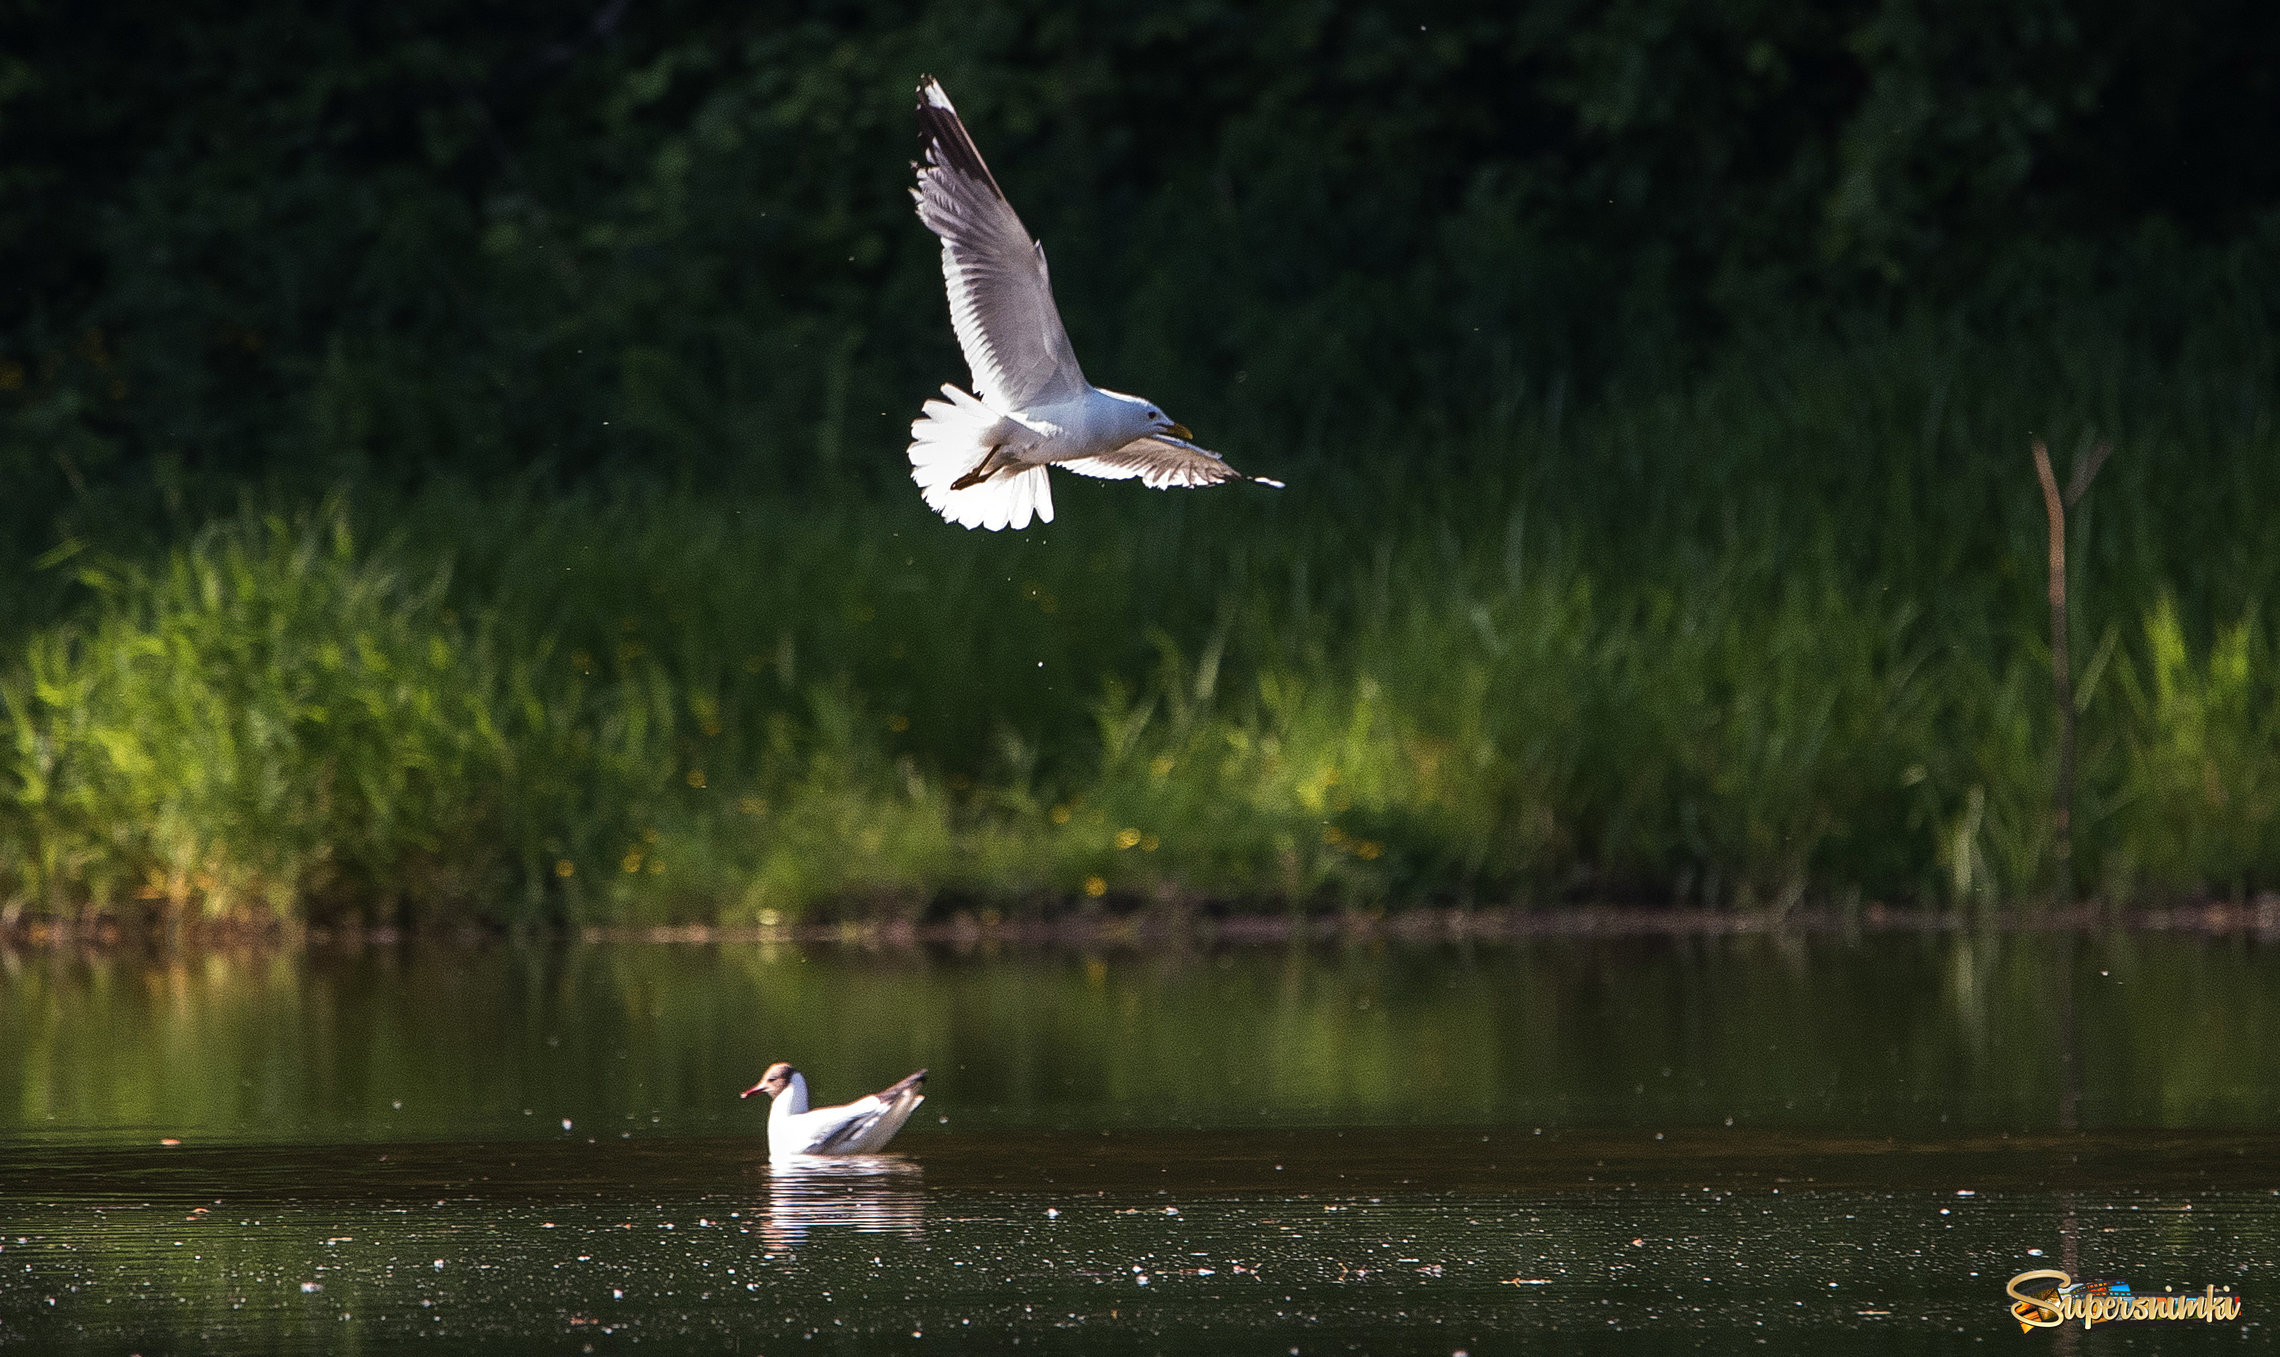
(1001, 299)
(1162, 463)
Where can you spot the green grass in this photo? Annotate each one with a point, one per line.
(1767, 634)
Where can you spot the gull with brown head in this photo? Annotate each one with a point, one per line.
(860, 1127)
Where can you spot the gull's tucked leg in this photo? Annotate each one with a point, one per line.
(981, 472)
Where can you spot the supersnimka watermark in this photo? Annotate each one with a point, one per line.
(2063, 1300)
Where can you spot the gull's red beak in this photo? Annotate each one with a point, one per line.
(761, 1087)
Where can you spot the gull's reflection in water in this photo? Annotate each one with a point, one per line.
(873, 1193)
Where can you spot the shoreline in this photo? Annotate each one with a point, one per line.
(2258, 919)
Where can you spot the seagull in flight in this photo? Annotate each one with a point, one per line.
(980, 458)
(860, 1127)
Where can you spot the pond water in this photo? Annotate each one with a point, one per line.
(1810, 1144)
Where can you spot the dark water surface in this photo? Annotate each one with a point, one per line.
(1586, 1145)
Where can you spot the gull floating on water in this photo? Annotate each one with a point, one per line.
(981, 462)
(860, 1127)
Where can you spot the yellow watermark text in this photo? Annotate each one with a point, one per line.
(2066, 1301)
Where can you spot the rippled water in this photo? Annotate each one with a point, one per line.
(1431, 1151)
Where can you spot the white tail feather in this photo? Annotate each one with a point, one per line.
(949, 439)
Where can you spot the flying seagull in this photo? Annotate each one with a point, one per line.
(980, 459)
(860, 1127)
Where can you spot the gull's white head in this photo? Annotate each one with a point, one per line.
(1144, 420)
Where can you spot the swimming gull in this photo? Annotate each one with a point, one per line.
(980, 459)
(860, 1127)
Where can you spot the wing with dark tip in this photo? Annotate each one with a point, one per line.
(1001, 298)
(1162, 463)
(876, 1119)
(909, 1083)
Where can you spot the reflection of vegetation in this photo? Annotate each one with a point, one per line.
(1930, 1035)
(1585, 658)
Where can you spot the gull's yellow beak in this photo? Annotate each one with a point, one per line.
(1180, 431)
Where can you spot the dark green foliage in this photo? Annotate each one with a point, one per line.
(1661, 646)
(1654, 380)
(304, 241)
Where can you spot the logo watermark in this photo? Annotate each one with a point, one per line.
(2063, 1300)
